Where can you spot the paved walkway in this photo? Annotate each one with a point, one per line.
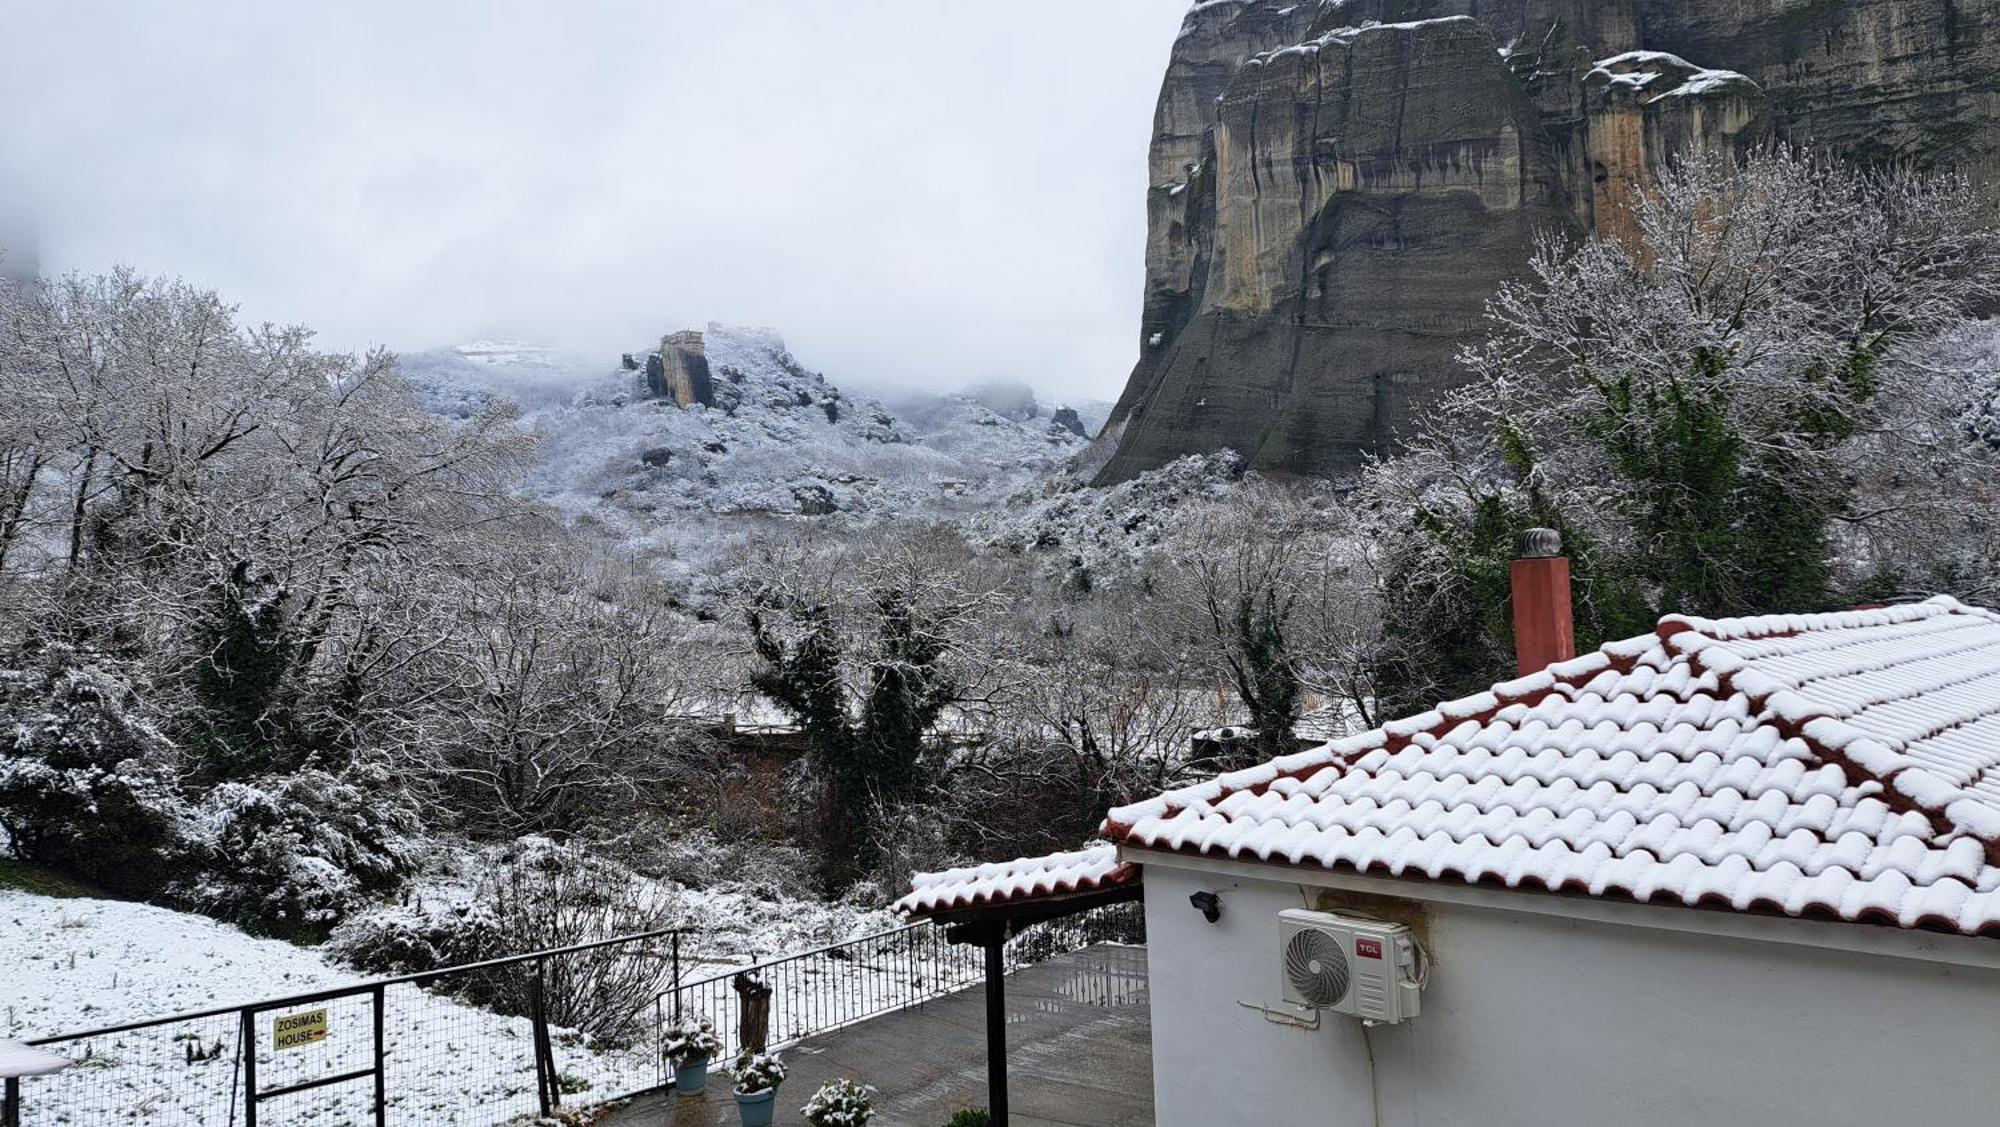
(1079, 1055)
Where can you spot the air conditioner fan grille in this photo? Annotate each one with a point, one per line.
(1317, 968)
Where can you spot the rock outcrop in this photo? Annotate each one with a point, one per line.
(682, 371)
(1065, 419)
(1338, 186)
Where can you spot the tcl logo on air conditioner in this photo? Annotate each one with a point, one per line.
(1367, 948)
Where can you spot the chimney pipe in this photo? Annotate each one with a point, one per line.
(1543, 631)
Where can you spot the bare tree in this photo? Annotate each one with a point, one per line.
(1264, 584)
(1087, 720)
(567, 685)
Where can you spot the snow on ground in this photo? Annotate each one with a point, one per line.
(82, 963)
(87, 963)
(73, 963)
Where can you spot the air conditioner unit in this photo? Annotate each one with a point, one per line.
(1367, 968)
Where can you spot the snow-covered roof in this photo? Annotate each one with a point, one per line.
(18, 1060)
(1839, 765)
(1092, 869)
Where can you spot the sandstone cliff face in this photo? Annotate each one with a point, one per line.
(684, 374)
(1338, 186)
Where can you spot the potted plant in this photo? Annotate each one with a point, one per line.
(690, 1044)
(839, 1103)
(757, 1078)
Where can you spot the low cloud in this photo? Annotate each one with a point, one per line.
(926, 194)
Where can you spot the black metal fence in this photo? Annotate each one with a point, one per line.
(779, 1001)
(498, 1042)
(488, 1043)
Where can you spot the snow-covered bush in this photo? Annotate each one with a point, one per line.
(691, 1038)
(703, 858)
(758, 1072)
(86, 785)
(295, 854)
(90, 786)
(529, 895)
(418, 935)
(839, 1103)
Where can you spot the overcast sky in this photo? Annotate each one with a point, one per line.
(928, 193)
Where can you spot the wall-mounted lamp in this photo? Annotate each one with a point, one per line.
(1208, 904)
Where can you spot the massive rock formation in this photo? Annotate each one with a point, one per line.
(682, 372)
(1337, 186)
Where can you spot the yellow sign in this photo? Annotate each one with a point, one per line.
(291, 1031)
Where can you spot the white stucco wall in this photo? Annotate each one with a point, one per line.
(1533, 1020)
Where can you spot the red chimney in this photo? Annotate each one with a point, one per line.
(1543, 631)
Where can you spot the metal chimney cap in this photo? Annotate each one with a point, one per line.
(1539, 544)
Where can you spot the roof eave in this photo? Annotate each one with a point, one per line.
(1864, 936)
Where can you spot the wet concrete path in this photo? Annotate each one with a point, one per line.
(1079, 1055)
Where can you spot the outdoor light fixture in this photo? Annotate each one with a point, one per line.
(1208, 904)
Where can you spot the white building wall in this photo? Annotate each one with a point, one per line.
(1534, 1020)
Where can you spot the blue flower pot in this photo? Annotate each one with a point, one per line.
(757, 1107)
(691, 1076)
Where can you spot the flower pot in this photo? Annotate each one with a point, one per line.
(691, 1075)
(756, 1108)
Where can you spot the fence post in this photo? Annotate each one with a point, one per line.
(545, 1068)
(249, 1035)
(677, 974)
(381, 1066)
(10, 1104)
(753, 1012)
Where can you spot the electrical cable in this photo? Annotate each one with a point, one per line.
(1374, 1089)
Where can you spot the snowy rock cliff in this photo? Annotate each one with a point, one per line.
(1338, 185)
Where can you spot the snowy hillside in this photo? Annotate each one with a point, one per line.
(780, 441)
(1102, 534)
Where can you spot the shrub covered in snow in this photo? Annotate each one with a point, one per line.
(839, 1103)
(690, 1039)
(297, 853)
(528, 895)
(89, 787)
(758, 1072)
(86, 785)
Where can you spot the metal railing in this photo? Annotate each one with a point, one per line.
(494, 1042)
(779, 1001)
(485, 1043)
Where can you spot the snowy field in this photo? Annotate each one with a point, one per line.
(84, 963)
(81, 963)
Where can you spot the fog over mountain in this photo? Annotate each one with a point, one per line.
(928, 194)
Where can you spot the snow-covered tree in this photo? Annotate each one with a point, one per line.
(1725, 414)
(867, 652)
(563, 686)
(1266, 585)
